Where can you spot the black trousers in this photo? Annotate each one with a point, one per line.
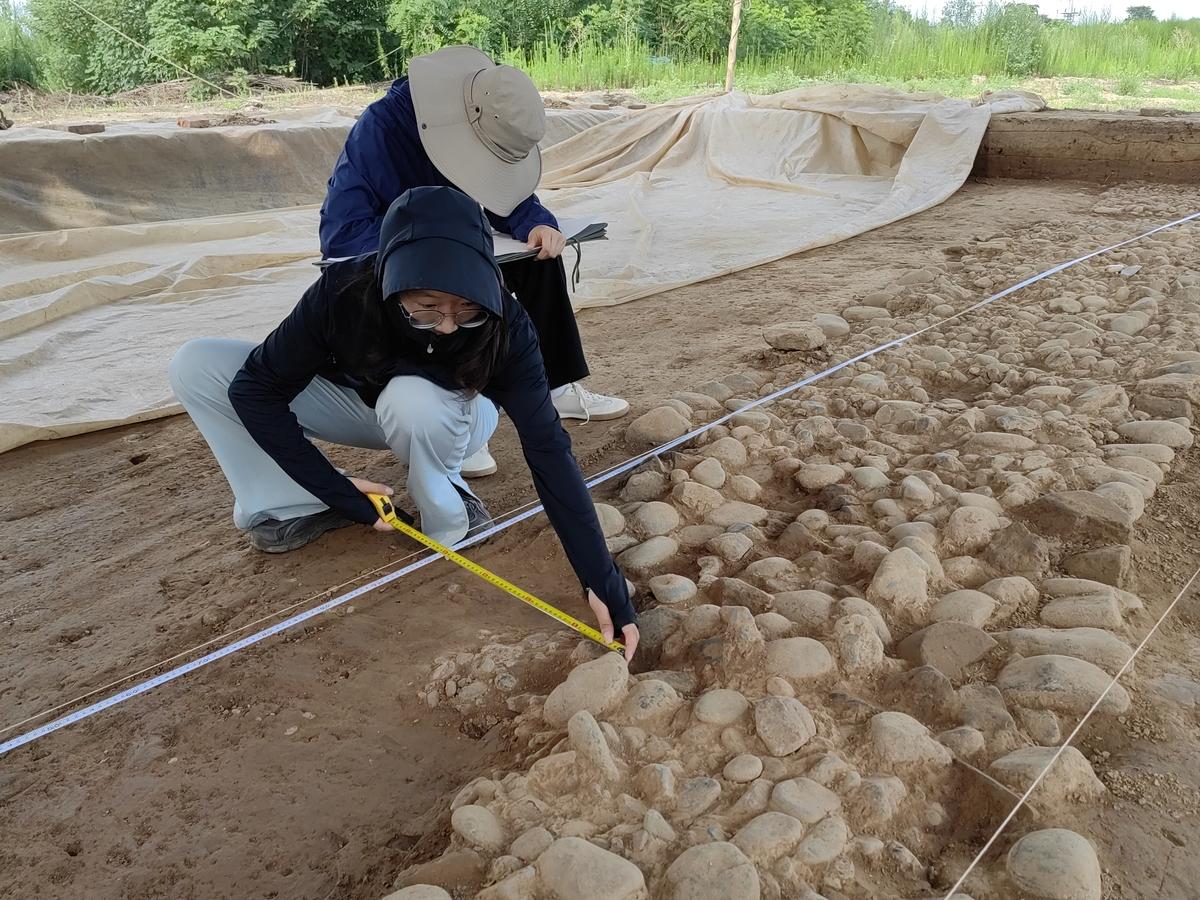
(541, 287)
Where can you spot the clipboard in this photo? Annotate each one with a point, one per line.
(508, 249)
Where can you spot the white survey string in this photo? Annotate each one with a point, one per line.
(1071, 737)
(179, 671)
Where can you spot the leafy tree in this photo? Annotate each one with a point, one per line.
(1140, 14)
(806, 28)
(332, 39)
(85, 55)
(611, 23)
(1020, 36)
(767, 27)
(525, 22)
(474, 28)
(959, 13)
(420, 26)
(317, 40)
(211, 39)
(846, 25)
(703, 26)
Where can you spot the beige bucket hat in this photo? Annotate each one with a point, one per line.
(480, 123)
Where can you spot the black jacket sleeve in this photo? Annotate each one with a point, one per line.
(522, 390)
(275, 372)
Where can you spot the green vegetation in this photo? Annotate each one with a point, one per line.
(18, 55)
(659, 47)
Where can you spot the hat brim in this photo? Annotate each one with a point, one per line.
(436, 83)
(441, 264)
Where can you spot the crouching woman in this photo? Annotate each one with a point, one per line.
(412, 348)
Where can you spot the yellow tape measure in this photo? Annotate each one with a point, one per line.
(387, 512)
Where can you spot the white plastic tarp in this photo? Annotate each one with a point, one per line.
(89, 316)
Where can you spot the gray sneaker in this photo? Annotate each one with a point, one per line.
(478, 517)
(274, 536)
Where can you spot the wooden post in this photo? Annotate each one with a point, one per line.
(733, 36)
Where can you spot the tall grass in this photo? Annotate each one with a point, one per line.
(1168, 50)
(1092, 48)
(18, 56)
(899, 51)
(629, 63)
(633, 64)
(918, 49)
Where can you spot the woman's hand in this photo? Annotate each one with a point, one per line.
(550, 241)
(629, 634)
(374, 487)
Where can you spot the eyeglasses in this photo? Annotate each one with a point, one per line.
(428, 319)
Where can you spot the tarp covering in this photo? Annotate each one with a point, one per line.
(142, 172)
(154, 172)
(162, 234)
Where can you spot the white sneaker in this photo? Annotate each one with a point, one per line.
(479, 464)
(577, 402)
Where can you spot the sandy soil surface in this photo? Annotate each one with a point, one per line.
(173, 99)
(308, 766)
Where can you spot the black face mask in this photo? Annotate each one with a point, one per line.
(443, 348)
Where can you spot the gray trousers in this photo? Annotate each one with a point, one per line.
(430, 429)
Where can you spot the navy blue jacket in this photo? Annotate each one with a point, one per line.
(333, 333)
(383, 158)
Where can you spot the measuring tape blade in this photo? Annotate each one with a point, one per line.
(388, 513)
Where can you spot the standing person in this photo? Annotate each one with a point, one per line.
(411, 348)
(463, 121)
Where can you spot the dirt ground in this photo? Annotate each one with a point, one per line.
(1147, 828)
(173, 99)
(306, 767)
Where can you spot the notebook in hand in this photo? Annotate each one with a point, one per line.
(579, 230)
(508, 248)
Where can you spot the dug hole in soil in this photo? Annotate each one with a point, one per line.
(871, 611)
